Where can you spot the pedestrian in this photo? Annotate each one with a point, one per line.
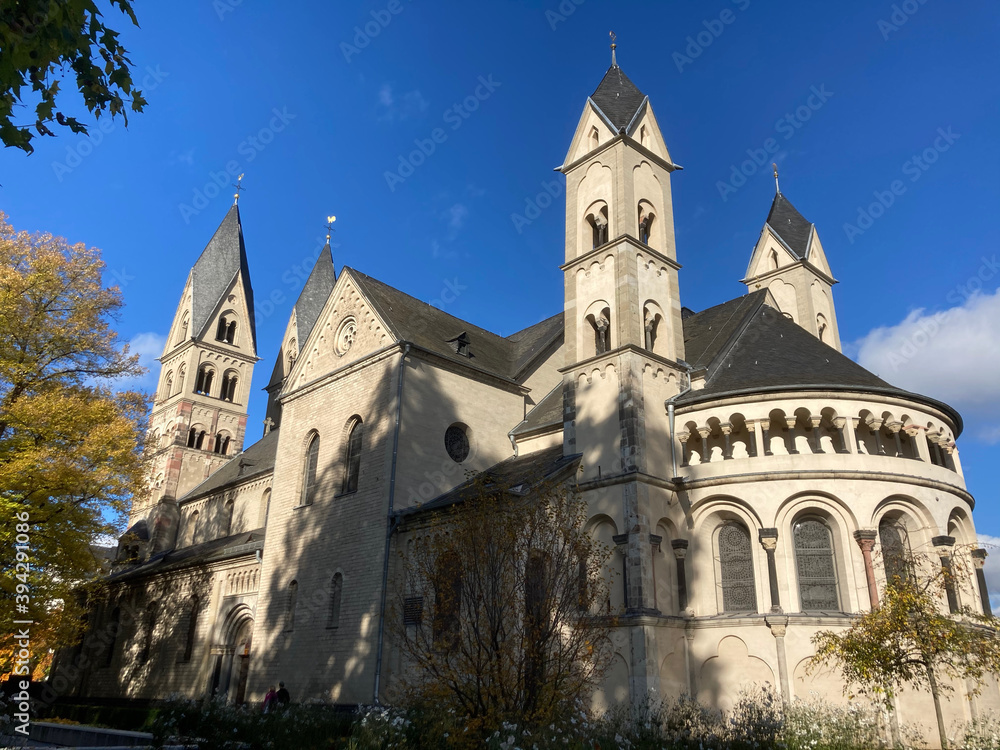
(269, 699)
(282, 696)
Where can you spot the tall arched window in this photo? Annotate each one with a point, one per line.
(192, 437)
(646, 218)
(821, 328)
(231, 332)
(309, 473)
(895, 543)
(815, 566)
(114, 626)
(336, 591)
(739, 592)
(220, 330)
(227, 518)
(168, 385)
(199, 441)
(228, 390)
(595, 138)
(205, 376)
(181, 372)
(290, 603)
(147, 641)
(601, 323)
(265, 502)
(352, 457)
(447, 600)
(597, 219)
(192, 628)
(772, 259)
(183, 333)
(192, 528)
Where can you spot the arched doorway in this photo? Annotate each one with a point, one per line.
(232, 656)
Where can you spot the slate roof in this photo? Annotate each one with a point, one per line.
(516, 475)
(547, 413)
(213, 272)
(748, 346)
(234, 545)
(617, 98)
(793, 228)
(432, 329)
(253, 461)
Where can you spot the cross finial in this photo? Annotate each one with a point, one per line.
(239, 187)
(329, 226)
(614, 63)
(268, 424)
(776, 188)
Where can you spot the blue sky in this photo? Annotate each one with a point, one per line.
(317, 102)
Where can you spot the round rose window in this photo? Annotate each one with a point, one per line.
(456, 442)
(345, 336)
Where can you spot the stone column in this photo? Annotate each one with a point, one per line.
(943, 545)
(866, 540)
(817, 445)
(912, 431)
(855, 424)
(894, 428)
(704, 432)
(727, 431)
(655, 541)
(683, 437)
(765, 429)
(754, 446)
(876, 427)
(689, 662)
(778, 626)
(769, 541)
(979, 559)
(841, 423)
(680, 548)
(791, 422)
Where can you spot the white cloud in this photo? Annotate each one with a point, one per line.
(456, 216)
(148, 346)
(952, 355)
(408, 106)
(992, 568)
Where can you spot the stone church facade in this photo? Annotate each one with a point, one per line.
(747, 474)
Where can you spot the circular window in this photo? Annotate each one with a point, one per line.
(456, 442)
(345, 336)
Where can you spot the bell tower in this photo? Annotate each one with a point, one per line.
(624, 340)
(199, 415)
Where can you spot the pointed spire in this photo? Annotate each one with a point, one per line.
(791, 226)
(614, 63)
(617, 98)
(777, 189)
(239, 187)
(329, 227)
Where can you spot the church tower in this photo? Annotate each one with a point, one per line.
(788, 260)
(199, 414)
(624, 340)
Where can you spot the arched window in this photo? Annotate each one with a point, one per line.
(265, 502)
(595, 138)
(597, 219)
(227, 518)
(192, 628)
(205, 376)
(290, 603)
(352, 457)
(643, 137)
(199, 441)
(646, 217)
(220, 330)
(336, 590)
(228, 390)
(309, 473)
(895, 543)
(168, 385)
(147, 641)
(231, 332)
(739, 593)
(181, 372)
(293, 353)
(601, 323)
(192, 528)
(821, 328)
(183, 333)
(447, 600)
(651, 318)
(192, 437)
(114, 626)
(815, 566)
(772, 258)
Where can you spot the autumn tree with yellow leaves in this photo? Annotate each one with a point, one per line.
(70, 445)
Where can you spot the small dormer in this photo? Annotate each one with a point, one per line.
(460, 345)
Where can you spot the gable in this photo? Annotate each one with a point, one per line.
(233, 306)
(582, 144)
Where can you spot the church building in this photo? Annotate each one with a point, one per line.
(753, 481)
